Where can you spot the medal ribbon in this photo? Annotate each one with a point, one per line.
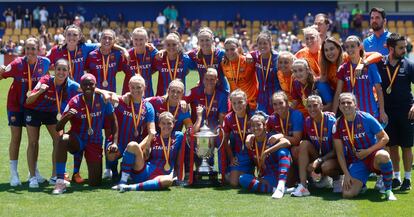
(58, 98)
(320, 136)
(105, 66)
(210, 105)
(137, 59)
(71, 64)
(88, 115)
(29, 74)
(166, 152)
(176, 108)
(242, 136)
(350, 135)
(393, 76)
(175, 67)
(267, 70)
(258, 155)
(211, 60)
(136, 121)
(285, 130)
(352, 74)
(237, 72)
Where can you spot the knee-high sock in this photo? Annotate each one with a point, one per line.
(250, 183)
(77, 161)
(128, 161)
(386, 172)
(60, 170)
(113, 165)
(284, 161)
(150, 185)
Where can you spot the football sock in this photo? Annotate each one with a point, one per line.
(128, 161)
(386, 171)
(250, 183)
(77, 160)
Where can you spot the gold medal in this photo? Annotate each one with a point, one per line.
(388, 90)
(105, 83)
(167, 167)
(136, 133)
(58, 116)
(90, 132)
(28, 93)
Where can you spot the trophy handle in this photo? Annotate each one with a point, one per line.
(222, 140)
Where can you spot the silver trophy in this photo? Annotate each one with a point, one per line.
(204, 150)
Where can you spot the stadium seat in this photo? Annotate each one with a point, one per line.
(15, 38)
(301, 24)
(392, 29)
(400, 23)
(256, 23)
(221, 24)
(212, 24)
(85, 31)
(229, 31)
(131, 24)
(249, 23)
(51, 30)
(391, 23)
(154, 24)
(8, 32)
(25, 31)
(290, 24)
(6, 38)
(147, 24)
(410, 31)
(401, 31)
(23, 37)
(409, 24)
(139, 24)
(113, 24)
(300, 37)
(17, 32)
(204, 23)
(365, 24)
(336, 36)
(34, 31)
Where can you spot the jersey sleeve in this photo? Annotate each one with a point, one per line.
(374, 126)
(341, 73)
(89, 47)
(223, 103)
(325, 92)
(227, 124)
(11, 70)
(297, 121)
(150, 115)
(373, 74)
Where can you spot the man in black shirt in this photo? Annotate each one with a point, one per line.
(397, 74)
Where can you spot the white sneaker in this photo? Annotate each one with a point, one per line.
(15, 181)
(390, 196)
(39, 177)
(107, 174)
(300, 191)
(379, 184)
(124, 188)
(325, 182)
(116, 187)
(337, 185)
(60, 187)
(289, 190)
(52, 181)
(33, 183)
(278, 193)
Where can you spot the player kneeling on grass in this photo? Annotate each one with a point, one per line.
(359, 140)
(86, 113)
(316, 153)
(151, 164)
(272, 158)
(135, 119)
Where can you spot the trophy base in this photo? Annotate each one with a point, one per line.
(205, 179)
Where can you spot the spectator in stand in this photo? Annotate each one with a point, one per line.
(295, 44)
(62, 16)
(8, 15)
(18, 18)
(308, 20)
(93, 34)
(295, 22)
(167, 13)
(161, 20)
(322, 24)
(36, 17)
(344, 17)
(44, 14)
(9, 47)
(27, 19)
(173, 14)
(337, 20)
(96, 21)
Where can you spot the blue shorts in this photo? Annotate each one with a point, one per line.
(148, 172)
(271, 179)
(16, 119)
(93, 152)
(245, 164)
(360, 170)
(37, 118)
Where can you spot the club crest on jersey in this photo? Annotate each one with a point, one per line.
(28, 118)
(98, 105)
(359, 126)
(13, 118)
(112, 57)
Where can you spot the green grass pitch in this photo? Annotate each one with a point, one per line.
(176, 201)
